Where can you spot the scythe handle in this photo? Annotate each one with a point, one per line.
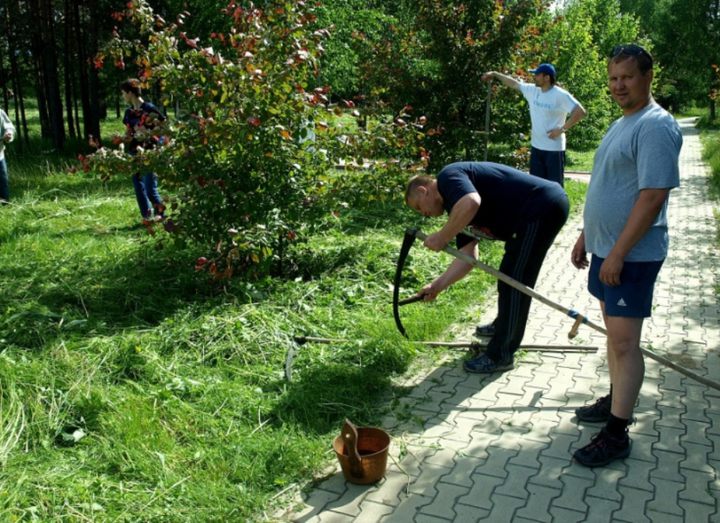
(579, 318)
(517, 285)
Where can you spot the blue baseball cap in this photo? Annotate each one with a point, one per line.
(544, 69)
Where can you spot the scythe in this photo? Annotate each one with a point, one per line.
(412, 234)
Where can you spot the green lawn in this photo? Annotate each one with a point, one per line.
(579, 161)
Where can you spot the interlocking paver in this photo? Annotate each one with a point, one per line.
(408, 508)
(572, 495)
(666, 496)
(481, 493)
(315, 506)
(567, 516)
(670, 417)
(661, 517)
(499, 448)
(529, 456)
(606, 485)
(425, 483)
(516, 482)
(550, 472)
(697, 487)
(600, 509)
(637, 475)
(670, 469)
(390, 488)
(560, 445)
(695, 433)
(697, 458)
(504, 508)
(632, 506)
(470, 514)
(331, 516)
(372, 512)
(444, 503)
(699, 512)
(669, 439)
(424, 518)
(461, 473)
(538, 505)
(496, 463)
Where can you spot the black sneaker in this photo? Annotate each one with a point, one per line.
(597, 412)
(483, 364)
(485, 331)
(604, 448)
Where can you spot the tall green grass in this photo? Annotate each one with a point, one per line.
(133, 389)
(711, 154)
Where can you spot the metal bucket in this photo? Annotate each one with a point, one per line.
(362, 453)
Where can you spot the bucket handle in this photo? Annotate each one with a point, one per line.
(350, 437)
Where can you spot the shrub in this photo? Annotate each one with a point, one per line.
(249, 152)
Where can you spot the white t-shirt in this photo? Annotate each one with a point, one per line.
(5, 126)
(548, 111)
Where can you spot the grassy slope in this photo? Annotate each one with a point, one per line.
(131, 388)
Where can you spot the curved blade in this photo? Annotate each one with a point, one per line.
(404, 250)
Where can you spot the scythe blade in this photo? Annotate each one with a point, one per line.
(408, 240)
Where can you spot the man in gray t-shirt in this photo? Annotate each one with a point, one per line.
(625, 230)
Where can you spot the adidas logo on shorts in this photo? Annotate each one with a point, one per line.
(621, 303)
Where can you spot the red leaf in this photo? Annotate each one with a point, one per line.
(200, 263)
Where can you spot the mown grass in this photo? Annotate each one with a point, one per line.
(133, 389)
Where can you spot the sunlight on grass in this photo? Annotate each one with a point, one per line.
(579, 161)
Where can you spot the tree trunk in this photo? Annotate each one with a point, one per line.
(92, 118)
(82, 59)
(17, 95)
(67, 57)
(3, 80)
(36, 47)
(49, 98)
(77, 115)
(87, 41)
(51, 78)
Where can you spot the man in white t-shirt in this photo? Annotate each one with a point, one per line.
(549, 106)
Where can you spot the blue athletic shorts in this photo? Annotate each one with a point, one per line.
(633, 297)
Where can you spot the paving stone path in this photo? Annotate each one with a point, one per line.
(498, 447)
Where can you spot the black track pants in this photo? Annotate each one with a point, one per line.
(524, 255)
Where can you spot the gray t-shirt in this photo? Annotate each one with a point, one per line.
(638, 152)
